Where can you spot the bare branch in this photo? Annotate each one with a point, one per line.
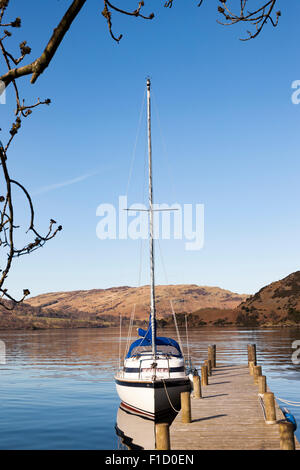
(107, 14)
(37, 67)
(257, 18)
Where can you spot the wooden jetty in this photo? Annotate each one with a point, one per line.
(231, 414)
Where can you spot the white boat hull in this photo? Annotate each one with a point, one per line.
(153, 399)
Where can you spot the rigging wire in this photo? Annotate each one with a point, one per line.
(135, 144)
(170, 300)
(187, 339)
(164, 146)
(132, 316)
(143, 198)
(129, 330)
(120, 339)
(171, 182)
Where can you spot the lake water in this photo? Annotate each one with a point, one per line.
(57, 389)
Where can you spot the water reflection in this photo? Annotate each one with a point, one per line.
(136, 432)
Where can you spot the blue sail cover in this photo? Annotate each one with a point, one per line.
(146, 340)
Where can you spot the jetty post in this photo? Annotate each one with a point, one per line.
(197, 386)
(212, 355)
(162, 436)
(207, 363)
(269, 402)
(186, 414)
(252, 353)
(287, 438)
(256, 373)
(251, 367)
(204, 376)
(262, 384)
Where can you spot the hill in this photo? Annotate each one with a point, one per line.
(102, 307)
(117, 301)
(275, 304)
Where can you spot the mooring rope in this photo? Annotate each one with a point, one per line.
(169, 400)
(262, 406)
(287, 402)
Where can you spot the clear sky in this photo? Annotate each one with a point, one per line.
(230, 141)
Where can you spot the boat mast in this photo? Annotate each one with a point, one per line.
(152, 283)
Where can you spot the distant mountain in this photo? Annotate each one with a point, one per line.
(276, 303)
(117, 301)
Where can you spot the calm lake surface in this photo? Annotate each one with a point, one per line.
(57, 389)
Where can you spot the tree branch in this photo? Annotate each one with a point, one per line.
(37, 67)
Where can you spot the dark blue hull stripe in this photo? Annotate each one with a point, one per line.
(156, 384)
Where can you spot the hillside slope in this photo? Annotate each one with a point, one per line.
(121, 300)
(276, 303)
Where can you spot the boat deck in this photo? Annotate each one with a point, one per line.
(228, 417)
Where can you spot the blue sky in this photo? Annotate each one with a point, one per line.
(229, 127)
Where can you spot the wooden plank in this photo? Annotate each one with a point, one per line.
(228, 417)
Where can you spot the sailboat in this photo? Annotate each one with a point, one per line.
(153, 375)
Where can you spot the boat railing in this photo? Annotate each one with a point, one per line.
(141, 370)
(120, 371)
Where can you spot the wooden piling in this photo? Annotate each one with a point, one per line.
(197, 386)
(208, 364)
(250, 359)
(256, 373)
(270, 411)
(212, 355)
(204, 376)
(186, 415)
(287, 438)
(162, 435)
(251, 367)
(252, 353)
(262, 384)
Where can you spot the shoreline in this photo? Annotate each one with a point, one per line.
(64, 327)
